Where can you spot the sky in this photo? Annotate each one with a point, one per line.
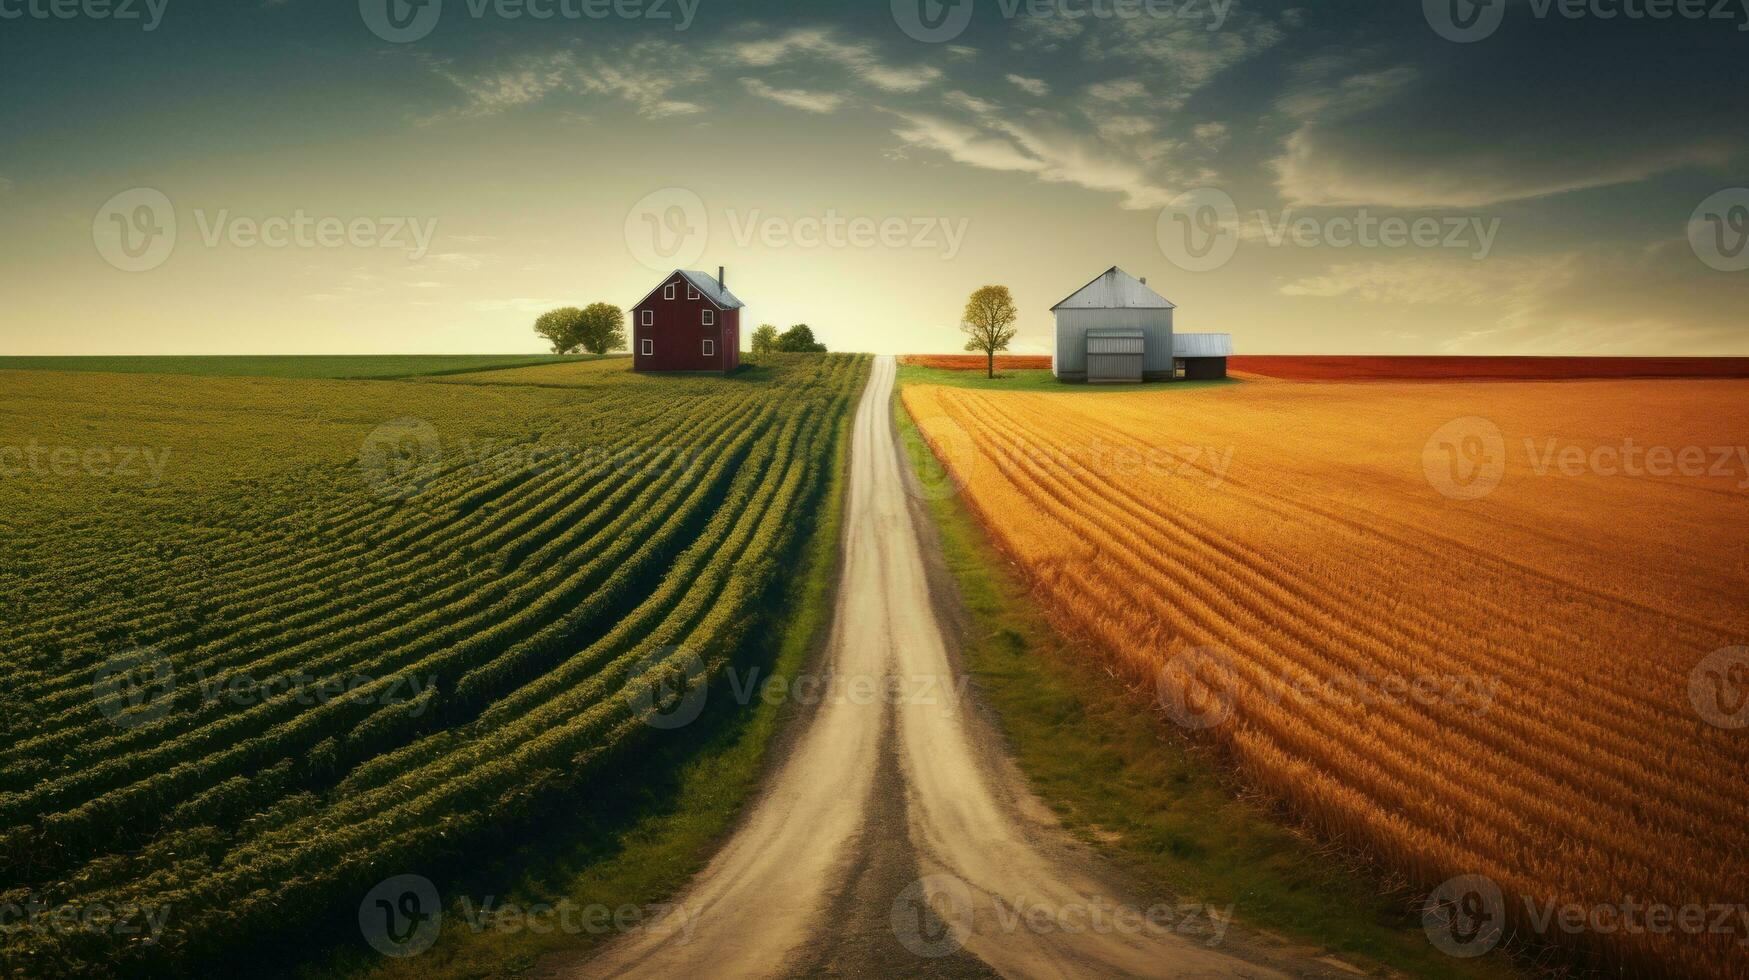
(386, 176)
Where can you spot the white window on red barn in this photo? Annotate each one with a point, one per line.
(710, 349)
(710, 318)
(691, 293)
(649, 347)
(649, 318)
(668, 291)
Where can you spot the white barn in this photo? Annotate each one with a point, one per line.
(1116, 329)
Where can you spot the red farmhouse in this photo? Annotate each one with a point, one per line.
(690, 322)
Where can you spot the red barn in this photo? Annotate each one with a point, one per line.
(690, 322)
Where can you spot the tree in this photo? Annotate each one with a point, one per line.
(989, 323)
(563, 328)
(765, 339)
(799, 339)
(603, 328)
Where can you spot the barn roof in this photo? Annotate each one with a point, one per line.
(705, 283)
(1202, 345)
(1115, 289)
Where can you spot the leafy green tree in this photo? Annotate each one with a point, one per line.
(562, 328)
(989, 323)
(765, 339)
(603, 329)
(799, 339)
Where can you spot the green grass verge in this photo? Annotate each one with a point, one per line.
(648, 832)
(1133, 786)
(335, 367)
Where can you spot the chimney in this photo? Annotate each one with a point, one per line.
(720, 284)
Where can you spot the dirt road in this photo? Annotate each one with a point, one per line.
(895, 838)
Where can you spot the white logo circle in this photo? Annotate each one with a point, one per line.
(1465, 916)
(1199, 230)
(134, 688)
(1465, 458)
(401, 21)
(400, 457)
(135, 231)
(932, 21)
(1719, 230)
(669, 687)
(1198, 687)
(933, 916)
(668, 229)
(1464, 21)
(941, 452)
(1718, 687)
(401, 917)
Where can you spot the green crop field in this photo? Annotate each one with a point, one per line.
(269, 641)
(368, 366)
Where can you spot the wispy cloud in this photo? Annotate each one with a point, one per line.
(647, 75)
(795, 98)
(858, 58)
(1032, 86)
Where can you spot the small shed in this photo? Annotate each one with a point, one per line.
(1114, 355)
(1201, 356)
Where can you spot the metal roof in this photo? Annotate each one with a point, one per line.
(1202, 345)
(706, 283)
(1115, 332)
(1115, 289)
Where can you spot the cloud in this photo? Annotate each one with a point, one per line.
(1603, 300)
(795, 98)
(1467, 129)
(646, 74)
(859, 59)
(1031, 86)
(1048, 152)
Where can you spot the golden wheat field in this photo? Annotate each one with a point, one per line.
(1471, 629)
